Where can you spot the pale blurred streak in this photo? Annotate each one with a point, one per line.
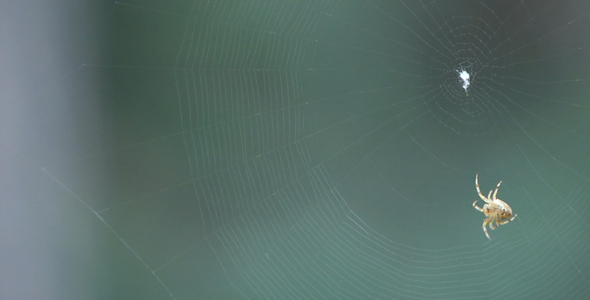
(43, 46)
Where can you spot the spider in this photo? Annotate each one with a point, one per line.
(495, 209)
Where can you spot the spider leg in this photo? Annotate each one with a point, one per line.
(477, 207)
(485, 230)
(508, 221)
(478, 191)
(497, 188)
(492, 225)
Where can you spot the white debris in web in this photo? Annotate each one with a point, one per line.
(465, 78)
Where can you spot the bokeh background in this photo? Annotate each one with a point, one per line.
(293, 149)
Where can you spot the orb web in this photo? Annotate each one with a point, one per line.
(327, 149)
